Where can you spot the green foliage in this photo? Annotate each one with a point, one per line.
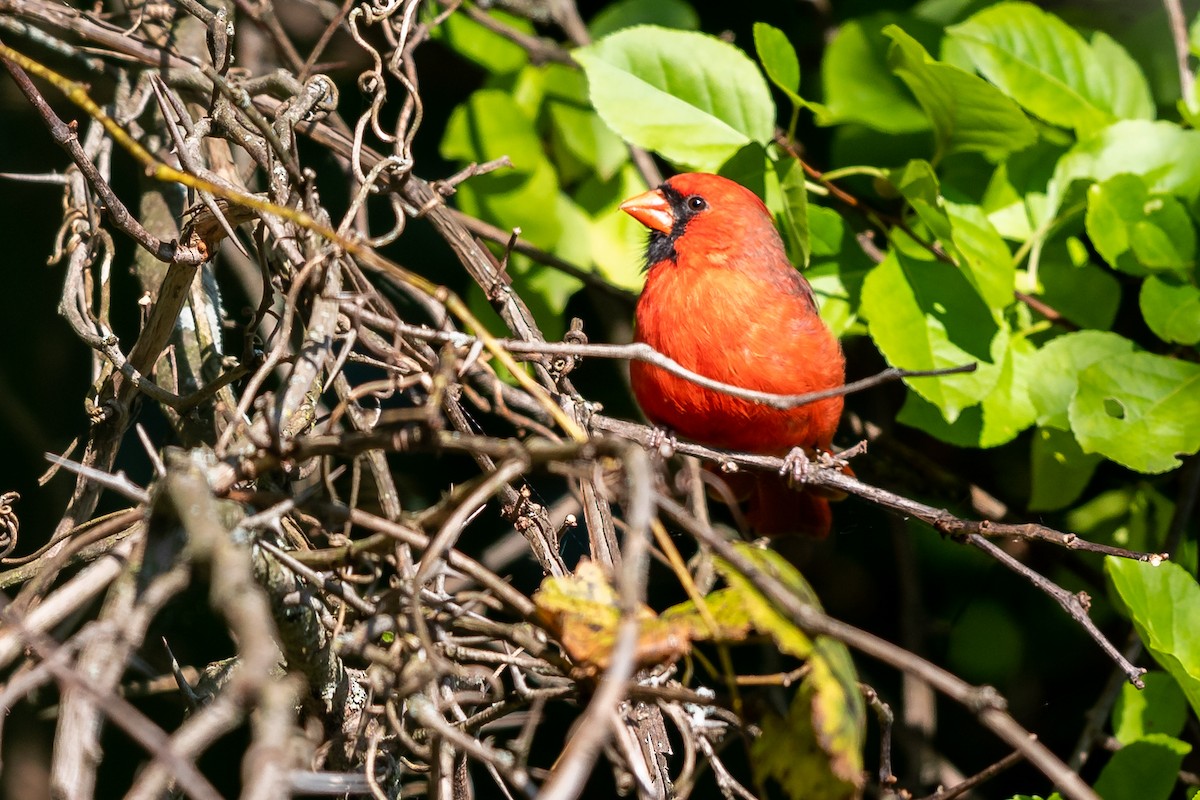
(1050, 69)
(1159, 708)
(692, 98)
(968, 114)
(1164, 603)
(1030, 214)
(779, 59)
(1143, 770)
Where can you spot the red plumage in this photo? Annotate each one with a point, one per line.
(722, 299)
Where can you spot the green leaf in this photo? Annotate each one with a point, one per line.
(1144, 770)
(1083, 292)
(1007, 409)
(486, 48)
(490, 125)
(815, 751)
(1171, 307)
(688, 96)
(984, 254)
(576, 131)
(1135, 231)
(926, 315)
(963, 230)
(787, 198)
(918, 184)
(1139, 410)
(1001, 415)
(968, 114)
(837, 268)
(1060, 362)
(1059, 469)
(1050, 69)
(615, 241)
(778, 59)
(1016, 193)
(1160, 153)
(1159, 708)
(1134, 517)
(858, 84)
(1164, 604)
(630, 13)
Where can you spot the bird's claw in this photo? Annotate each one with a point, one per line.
(796, 465)
(830, 461)
(662, 442)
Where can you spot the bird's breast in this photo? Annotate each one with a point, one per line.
(745, 331)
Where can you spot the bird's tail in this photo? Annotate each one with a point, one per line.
(773, 508)
(776, 509)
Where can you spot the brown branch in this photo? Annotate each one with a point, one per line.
(1179, 37)
(66, 137)
(978, 778)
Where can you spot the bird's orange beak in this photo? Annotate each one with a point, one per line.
(652, 210)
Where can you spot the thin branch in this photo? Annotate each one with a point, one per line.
(833, 478)
(1076, 605)
(639, 351)
(65, 136)
(1179, 37)
(979, 778)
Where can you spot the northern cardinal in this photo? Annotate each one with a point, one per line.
(722, 299)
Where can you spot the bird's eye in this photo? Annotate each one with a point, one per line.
(696, 203)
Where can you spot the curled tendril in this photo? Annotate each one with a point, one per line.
(10, 524)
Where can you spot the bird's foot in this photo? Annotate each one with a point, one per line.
(662, 441)
(842, 459)
(796, 466)
(831, 461)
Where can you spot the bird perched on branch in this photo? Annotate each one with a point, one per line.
(722, 299)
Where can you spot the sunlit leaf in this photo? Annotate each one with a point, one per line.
(1143, 770)
(1139, 410)
(1158, 708)
(1050, 69)
(1136, 231)
(1171, 307)
(858, 83)
(969, 115)
(1059, 363)
(576, 128)
(787, 197)
(778, 59)
(926, 315)
(1164, 604)
(689, 96)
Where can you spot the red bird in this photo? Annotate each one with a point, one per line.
(722, 299)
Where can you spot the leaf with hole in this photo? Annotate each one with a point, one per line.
(1139, 410)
